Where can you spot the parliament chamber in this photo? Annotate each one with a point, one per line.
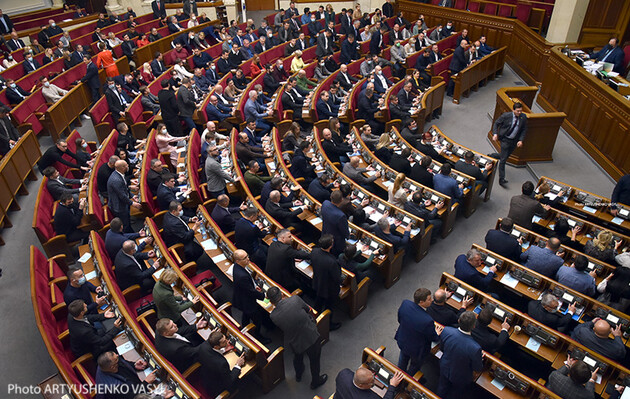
(210, 206)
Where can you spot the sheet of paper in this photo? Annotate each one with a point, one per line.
(230, 270)
(509, 280)
(388, 183)
(532, 344)
(271, 165)
(158, 273)
(124, 348)
(219, 258)
(371, 172)
(90, 275)
(536, 219)
(181, 165)
(439, 354)
(616, 220)
(498, 384)
(209, 244)
(551, 196)
(180, 149)
(413, 232)
(486, 269)
(302, 265)
(589, 209)
(315, 221)
(86, 256)
(376, 216)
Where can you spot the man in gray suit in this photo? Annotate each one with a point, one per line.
(294, 318)
(509, 129)
(58, 185)
(569, 381)
(119, 196)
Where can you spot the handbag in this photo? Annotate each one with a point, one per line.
(145, 306)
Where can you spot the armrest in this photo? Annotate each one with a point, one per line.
(191, 370)
(189, 269)
(132, 293)
(175, 251)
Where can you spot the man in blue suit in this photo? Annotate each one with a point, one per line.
(166, 192)
(216, 111)
(335, 222)
(30, 64)
(461, 358)
(349, 51)
(324, 110)
(119, 198)
(381, 83)
(458, 62)
(115, 238)
(416, 331)
(611, 53)
(466, 270)
(254, 110)
(444, 183)
(376, 41)
(91, 78)
(502, 242)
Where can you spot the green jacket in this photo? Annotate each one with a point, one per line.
(168, 305)
(255, 183)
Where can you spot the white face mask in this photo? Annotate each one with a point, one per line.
(164, 131)
(47, 84)
(181, 213)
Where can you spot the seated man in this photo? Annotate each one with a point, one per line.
(115, 238)
(217, 375)
(248, 235)
(576, 276)
(222, 213)
(444, 314)
(447, 185)
(595, 335)
(546, 312)
(502, 242)
(569, 380)
(468, 166)
(352, 171)
(179, 345)
(129, 269)
(281, 258)
(321, 188)
(359, 384)
(284, 216)
(387, 232)
(68, 218)
(466, 270)
(417, 206)
(246, 151)
(484, 336)
(57, 185)
(543, 260)
(255, 182)
(79, 288)
(154, 176)
(84, 336)
(176, 231)
(115, 374)
(167, 192)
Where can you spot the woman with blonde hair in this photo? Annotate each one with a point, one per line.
(147, 73)
(382, 150)
(329, 14)
(297, 63)
(396, 194)
(169, 305)
(602, 247)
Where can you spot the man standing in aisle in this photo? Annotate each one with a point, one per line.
(509, 130)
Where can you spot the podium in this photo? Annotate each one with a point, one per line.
(542, 128)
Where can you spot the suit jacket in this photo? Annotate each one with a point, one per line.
(118, 194)
(165, 195)
(345, 388)
(291, 102)
(9, 132)
(11, 43)
(324, 110)
(561, 384)
(9, 25)
(281, 263)
(374, 42)
(180, 353)
(158, 12)
(459, 61)
(67, 219)
(346, 81)
(57, 188)
(300, 167)
(150, 103)
(176, 231)
(444, 314)
(326, 274)
(615, 57)
(447, 186)
(557, 321)
(91, 76)
(503, 126)
(293, 317)
(522, 210)
(335, 222)
(215, 114)
(85, 338)
(504, 244)
(319, 192)
(185, 102)
(215, 370)
(400, 164)
(223, 217)
(421, 175)
(367, 108)
(471, 170)
(28, 67)
(348, 52)
(115, 104)
(461, 356)
(114, 241)
(157, 67)
(324, 46)
(282, 215)
(415, 331)
(128, 272)
(168, 104)
(245, 293)
(468, 274)
(611, 348)
(398, 241)
(487, 339)
(16, 95)
(379, 87)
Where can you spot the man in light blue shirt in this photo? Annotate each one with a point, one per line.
(543, 260)
(445, 184)
(576, 277)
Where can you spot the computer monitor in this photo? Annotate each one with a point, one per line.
(613, 85)
(608, 67)
(579, 61)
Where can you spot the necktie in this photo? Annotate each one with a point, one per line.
(136, 261)
(17, 43)
(180, 337)
(3, 129)
(513, 128)
(607, 54)
(185, 224)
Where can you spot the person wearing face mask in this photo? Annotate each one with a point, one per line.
(314, 27)
(8, 62)
(193, 21)
(79, 288)
(169, 305)
(367, 66)
(131, 268)
(399, 58)
(30, 64)
(448, 30)
(68, 218)
(177, 231)
(320, 73)
(51, 92)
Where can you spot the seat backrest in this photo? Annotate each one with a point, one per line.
(522, 12)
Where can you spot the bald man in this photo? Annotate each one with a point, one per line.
(354, 172)
(120, 198)
(544, 260)
(443, 313)
(245, 294)
(358, 385)
(131, 268)
(595, 335)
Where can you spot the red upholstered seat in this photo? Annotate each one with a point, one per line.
(474, 6)
(522, 12)
(505, 11)
(460, 4)
(490, 9)
(206, 275)
(440, 68)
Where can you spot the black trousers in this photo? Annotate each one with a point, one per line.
(314, 353)
(125, 217)
(507, 148)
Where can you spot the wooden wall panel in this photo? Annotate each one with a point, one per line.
(605, 18)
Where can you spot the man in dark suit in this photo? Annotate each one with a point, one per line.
(468, 166)
(119, 196)
(214, 111)
(324, 45)
(545, 311)
(170, 111)
(326, 277)
(283, 215)
(6, 25)
(335, 222)
(324, 110)
(509, 130)
(416, 331)
(179, 345)
(91, 78)
(30, 64)
(15, 43)
(84, 336)
(68, 218)
(58, 185)
(130, 271)
(222, 213)
(444, 314)
(359, 385)
(458, 62)
(157, 65)
(502, 242)
(321, 188)
(159, 11)
(367, 109)
(154, 175)
(523, 207)
(484, 336)
(344, 78)
(245, 294)
(115, 238)
(176, 231)
(349, 51)
(418, 206)
(569, 381)
(117, 100)
(400, 162)
(281, 258)
(9, 134)
(293, 316)
(611, 53)
(248, 235)
(420, 172)
(466, 270)
(387, 232)
(595, 335)
(15, 94)
(376, 41)
(167, 192)
(460, 359)
(215, 368)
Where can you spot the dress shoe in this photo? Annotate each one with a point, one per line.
(503, 182)
(322, 380)
(334, 326)
(298, 378)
